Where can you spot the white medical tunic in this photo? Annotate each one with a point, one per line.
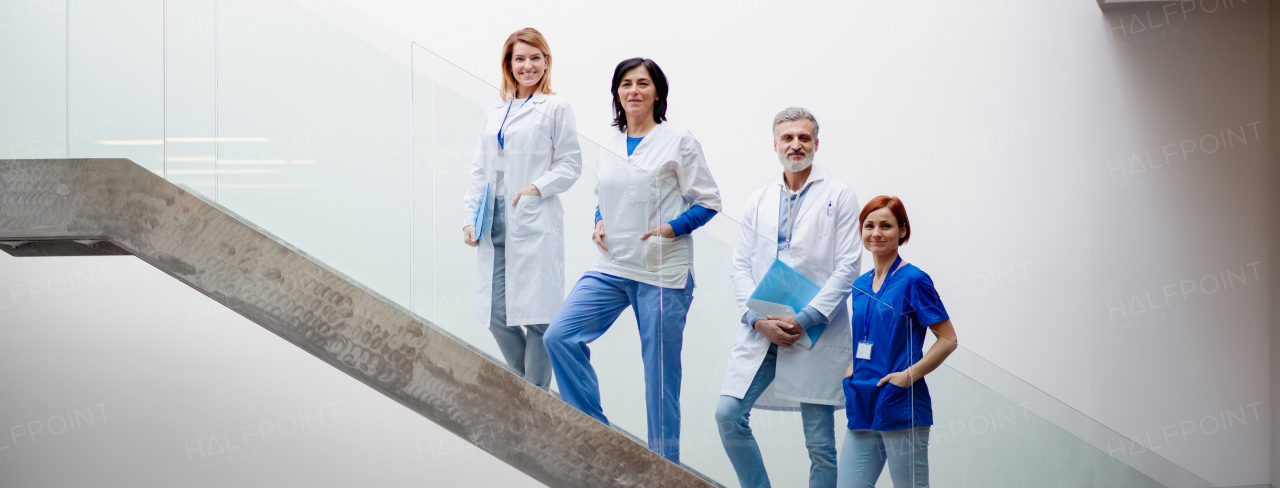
(663, 177)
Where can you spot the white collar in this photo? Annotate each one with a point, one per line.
(537, 97)
(818, 174)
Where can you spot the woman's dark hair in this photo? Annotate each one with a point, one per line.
(659, 84)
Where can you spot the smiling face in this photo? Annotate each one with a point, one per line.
(636, 93)
(527, 66)
(881, 232)
(795, 144)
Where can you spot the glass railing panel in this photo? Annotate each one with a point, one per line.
(35, 45)
(115, 90)
(617, 355)
(445, 267)
(422, 205)
(312, 139)
(190, 95)
(981, 438)
(978, 400)
(710, 329)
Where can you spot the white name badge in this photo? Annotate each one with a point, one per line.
(864, 350)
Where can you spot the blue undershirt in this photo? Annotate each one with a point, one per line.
(687, 222)
(697, 215)
(632, 142)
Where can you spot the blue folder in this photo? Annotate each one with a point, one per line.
(784, 291)
(480, 212)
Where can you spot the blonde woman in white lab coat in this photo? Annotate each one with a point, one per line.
(527, 154)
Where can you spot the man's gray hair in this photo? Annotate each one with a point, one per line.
(794, 113)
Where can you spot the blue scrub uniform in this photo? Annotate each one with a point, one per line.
(889, 424)
(894, 321)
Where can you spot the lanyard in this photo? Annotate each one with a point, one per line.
(792, 205)
(866, 314)
(501, 142)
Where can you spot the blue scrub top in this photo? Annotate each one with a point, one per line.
(897, 337)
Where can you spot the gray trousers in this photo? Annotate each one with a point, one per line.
(866, 452)
(521, 346)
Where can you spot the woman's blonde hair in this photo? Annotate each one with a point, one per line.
(533, 38)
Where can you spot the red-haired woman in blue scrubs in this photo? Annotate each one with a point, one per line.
(886, 398)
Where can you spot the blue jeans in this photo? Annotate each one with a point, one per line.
(866, 451)
(733, 417)
(523, 352)
(590, 309)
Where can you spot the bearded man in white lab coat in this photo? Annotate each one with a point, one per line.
(809, 221)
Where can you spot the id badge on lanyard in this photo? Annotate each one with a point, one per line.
(864, 349)
(502, 140)
(864, 346)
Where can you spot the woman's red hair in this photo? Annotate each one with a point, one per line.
(895, 207)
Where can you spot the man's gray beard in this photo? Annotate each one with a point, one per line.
(795, 167)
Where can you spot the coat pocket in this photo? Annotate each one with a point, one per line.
(529, 218)
(643, 187)
(860, 402)
(538, 141)
(894, 410)
(665, 252)
(825, 222)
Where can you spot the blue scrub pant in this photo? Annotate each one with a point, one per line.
(590, 309)
(523, 351)
(733, 417)
(866, 451)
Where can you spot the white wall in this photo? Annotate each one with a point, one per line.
(1018, 134)
(1010, 127)
(115, 374)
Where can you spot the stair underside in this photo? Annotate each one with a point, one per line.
(63, 207)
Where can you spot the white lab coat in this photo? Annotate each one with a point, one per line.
(662, 178)
(826, 248)
(541, 149)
